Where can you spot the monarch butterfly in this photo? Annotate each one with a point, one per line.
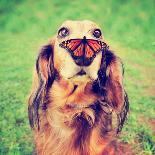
(87, 48)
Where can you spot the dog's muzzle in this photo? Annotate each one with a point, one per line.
(82, 61)
(83, 51)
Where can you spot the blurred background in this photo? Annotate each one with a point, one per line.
(128, 26)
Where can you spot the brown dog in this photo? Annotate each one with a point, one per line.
(78, 103)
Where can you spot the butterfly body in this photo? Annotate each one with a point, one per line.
(83, 51)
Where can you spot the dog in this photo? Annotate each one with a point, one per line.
(78, 103)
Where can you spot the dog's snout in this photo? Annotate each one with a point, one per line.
(82, 61)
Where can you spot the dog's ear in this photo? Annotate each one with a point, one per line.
(43, 79)
(114, 81)
(110, 85)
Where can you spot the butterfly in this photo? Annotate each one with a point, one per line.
(87, 48)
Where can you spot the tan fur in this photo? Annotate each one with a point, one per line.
(59, 131)
(56, 137)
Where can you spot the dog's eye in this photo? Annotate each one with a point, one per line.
(97, 33)
(63, 32)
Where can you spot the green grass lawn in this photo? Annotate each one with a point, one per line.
(128, 26)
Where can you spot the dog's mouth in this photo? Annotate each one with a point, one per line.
(81, 76)
(81, 72)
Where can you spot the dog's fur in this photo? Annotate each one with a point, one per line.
(77, 115)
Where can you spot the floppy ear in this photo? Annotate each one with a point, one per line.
(43, 79)
(114, 82)
(110, 85)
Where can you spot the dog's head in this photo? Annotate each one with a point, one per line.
(78, 51)
(66, 62)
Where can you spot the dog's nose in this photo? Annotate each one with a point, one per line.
(80, 50)
(82, 61)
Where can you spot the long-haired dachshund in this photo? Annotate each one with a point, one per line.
(78, 104)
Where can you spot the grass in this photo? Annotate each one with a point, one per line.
(128, 26)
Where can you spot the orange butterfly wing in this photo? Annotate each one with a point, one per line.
(88, 48)
(95, 45)
(79, 51)
(71, 45)
(89, 53)
(92, 47)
